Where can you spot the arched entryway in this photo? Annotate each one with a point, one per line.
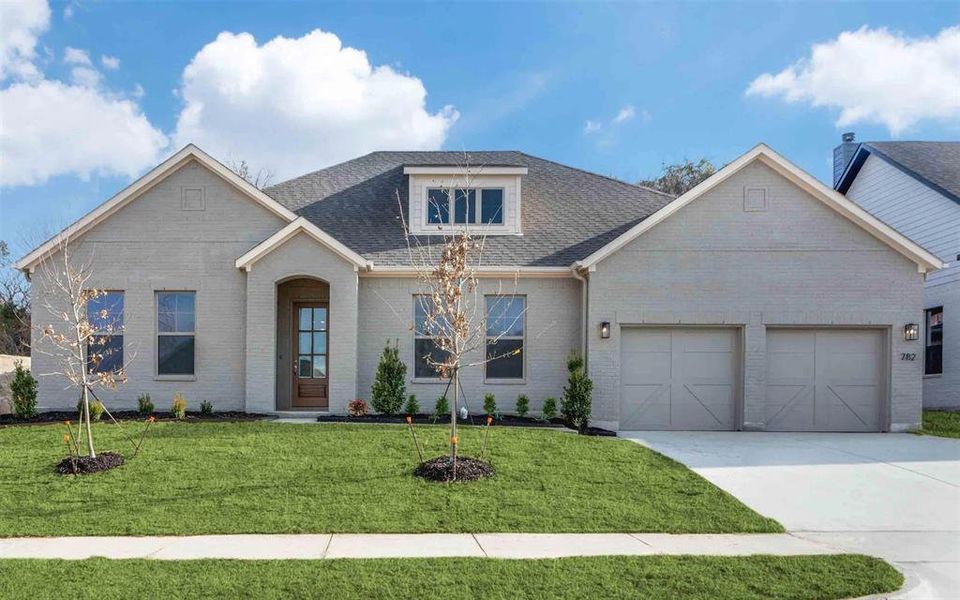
(303, 348)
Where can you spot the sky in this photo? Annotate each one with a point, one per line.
(94, 94)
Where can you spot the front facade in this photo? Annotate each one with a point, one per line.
(760, 300)
(915, 187)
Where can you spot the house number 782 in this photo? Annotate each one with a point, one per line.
(908, 356)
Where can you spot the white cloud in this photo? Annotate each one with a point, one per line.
(874, 75)
(21, 23)
(592, 126)
(626, 113)
(110, 62)
(76, 56)
(85, 76)
(295, 105)
(52, 128)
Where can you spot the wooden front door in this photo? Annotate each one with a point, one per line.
(310, 367)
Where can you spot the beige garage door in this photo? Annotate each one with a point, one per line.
(824, 380)
(678, 378)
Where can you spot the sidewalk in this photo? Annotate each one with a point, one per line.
(492, 545)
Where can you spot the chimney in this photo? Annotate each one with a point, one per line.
(842, 155)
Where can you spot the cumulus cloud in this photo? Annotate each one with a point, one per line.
(110, 62)
(875, 75)
(21, 24)
(75, 56)
(52, 128)
(295, 105)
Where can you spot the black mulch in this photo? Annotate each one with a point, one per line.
(129, 415)
(86, 465)
(441, 469)
(503, 421)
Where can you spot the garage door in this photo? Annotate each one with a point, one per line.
(824, 380)
(678, 378)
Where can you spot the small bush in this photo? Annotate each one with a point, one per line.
(23, 392)
(389, 387)
(357, 408)
(442, 407)
(549, 408)
(523, 405)
(577, 395)
(206, 407)
(489, 404)
(96, 409)
(144, 404)
(412, 406)
(179, 406)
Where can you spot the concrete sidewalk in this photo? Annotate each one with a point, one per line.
(327, 546)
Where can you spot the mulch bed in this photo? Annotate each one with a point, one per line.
(86, 465)
(503, 421)
(441, 469)
(129, 415)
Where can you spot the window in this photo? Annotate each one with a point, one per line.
(427, 352)
(933, 359)
(506, 317)
(312, 342)
(176, 333)
(105, 348)
(464, 209)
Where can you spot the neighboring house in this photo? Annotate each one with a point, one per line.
(915, 187)
(761, 299)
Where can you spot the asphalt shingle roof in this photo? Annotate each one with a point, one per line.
(936, 162)
(567, 213)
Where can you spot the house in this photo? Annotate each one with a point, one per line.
(915, 187)
(761, 299)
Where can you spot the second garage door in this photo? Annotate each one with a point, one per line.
(824, 380)
(679, 378)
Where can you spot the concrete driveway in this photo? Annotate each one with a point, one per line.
(896, 496)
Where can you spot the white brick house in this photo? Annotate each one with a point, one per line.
(761, 299)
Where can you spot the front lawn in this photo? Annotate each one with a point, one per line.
(262, 477)
(942, 423)
(652, 577)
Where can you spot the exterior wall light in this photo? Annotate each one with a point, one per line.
(911, 332)
(605, 330)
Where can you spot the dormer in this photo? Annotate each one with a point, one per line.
(446, 198)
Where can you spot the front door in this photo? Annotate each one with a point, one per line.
(310, 329)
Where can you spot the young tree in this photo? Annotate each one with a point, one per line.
(389, 386)
(78, 336)
(679, 178)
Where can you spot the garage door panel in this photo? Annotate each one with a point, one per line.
(678, 378)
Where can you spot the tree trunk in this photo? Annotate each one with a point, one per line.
(86, 416)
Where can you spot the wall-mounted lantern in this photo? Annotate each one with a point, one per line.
(911, 332)
(605, 330)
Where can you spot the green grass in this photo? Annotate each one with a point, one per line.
(941, 423)
(262, 477)
(650, 577)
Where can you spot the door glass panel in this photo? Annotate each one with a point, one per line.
(319, 367)
(319, 342)
(319, 319)
(306, 320)
(304, 343)
(306, 366)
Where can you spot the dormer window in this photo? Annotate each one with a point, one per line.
(464, 206)
(484, 199)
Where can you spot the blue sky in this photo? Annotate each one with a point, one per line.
(548, 79)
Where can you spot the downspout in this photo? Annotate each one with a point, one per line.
(584, 311)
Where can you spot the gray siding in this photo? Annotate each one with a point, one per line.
(552, 331)
(798, 263)
(152, 244)
(943, 391)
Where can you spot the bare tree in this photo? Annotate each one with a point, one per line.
(681, 177)
(261, 179)
(78, 338)
(14, 307)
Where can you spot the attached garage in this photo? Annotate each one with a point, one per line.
(825, 379)
(681, 378)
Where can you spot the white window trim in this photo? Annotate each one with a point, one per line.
(523, 340)
(157, 333)
(479, 223)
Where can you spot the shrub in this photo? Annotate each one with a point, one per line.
(523, 405)
(577, 395)
(144, 404)
(489, 404)
(23, 392)
(96, 409)
(179, 406)
(389, 387)
(442, 407)
(206, 407)
(549, 408)
(357, 408)
(412, 406)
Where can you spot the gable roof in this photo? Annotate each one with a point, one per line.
(925, 260)
(567, 213)
(140, 186)
(289, 231)
(934, 164)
